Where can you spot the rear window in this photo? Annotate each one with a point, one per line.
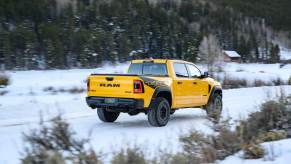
(151, 69)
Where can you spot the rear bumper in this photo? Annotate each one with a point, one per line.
(120, 103)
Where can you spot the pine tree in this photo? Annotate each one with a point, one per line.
(8, 54)
(68, 22)
(2, 61)
(60, 59)
(193, 48)
(50, 52)
(123, 48)
(244, 50)
(18, 46)
(96, 56)
(274, 54)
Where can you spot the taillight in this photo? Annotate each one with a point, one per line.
(137, 86)
(88, 84)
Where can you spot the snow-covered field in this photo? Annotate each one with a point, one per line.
(26, 100)
(285, 54)
(252, 72)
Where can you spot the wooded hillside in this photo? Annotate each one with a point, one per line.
(41, 34)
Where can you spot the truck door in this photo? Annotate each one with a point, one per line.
(181, 84)
(199, 86)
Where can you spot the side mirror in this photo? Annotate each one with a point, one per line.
(205, 75)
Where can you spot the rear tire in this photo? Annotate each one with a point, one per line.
(214, 107)
(159, 112)
(106, 116)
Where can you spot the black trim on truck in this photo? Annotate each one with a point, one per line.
(161, 89)
(216, 89)
(164, 92)
(124, 104)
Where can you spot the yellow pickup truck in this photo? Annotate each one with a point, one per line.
(155, 87)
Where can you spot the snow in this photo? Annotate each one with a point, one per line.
(95, 54)
(285, 54)
(277, 152)
(232, 54)
(252, 72)
(26, 100)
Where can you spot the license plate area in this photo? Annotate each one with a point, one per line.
(110, 100)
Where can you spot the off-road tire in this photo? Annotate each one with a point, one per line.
(159, 112)
(214, 107)
(107, 116)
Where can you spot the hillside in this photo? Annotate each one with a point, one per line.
(275, 12)
(49, 34)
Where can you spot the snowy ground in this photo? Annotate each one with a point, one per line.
(26, 100)
(277, 152)
(285, 54)
(252, 72)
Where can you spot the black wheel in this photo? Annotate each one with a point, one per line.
(214, 107)
(106, 116)
(159, 112)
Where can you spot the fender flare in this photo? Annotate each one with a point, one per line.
(214, 90)
(162, 89)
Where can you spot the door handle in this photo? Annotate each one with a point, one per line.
(194, 83)
(179, 82)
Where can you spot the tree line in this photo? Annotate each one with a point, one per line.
(40, 34)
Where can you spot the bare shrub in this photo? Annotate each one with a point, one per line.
(278, 81)
(230, 83)
(227, 142)
(272, 135)
(129, 156)
(260, 83)
(4, 80)
(181, 159)
(253, 151)
(207, 149)
(48, 89)
(2, 93)
(56, 144)
(219, 69)
(194, 147)
(274, 115)
(74, 90)
(240, 70)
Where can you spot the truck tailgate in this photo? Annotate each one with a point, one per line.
(106, 85)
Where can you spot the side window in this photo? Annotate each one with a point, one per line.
(193, 71)
(180, 70)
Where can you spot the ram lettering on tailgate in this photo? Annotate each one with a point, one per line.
(110, 85)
